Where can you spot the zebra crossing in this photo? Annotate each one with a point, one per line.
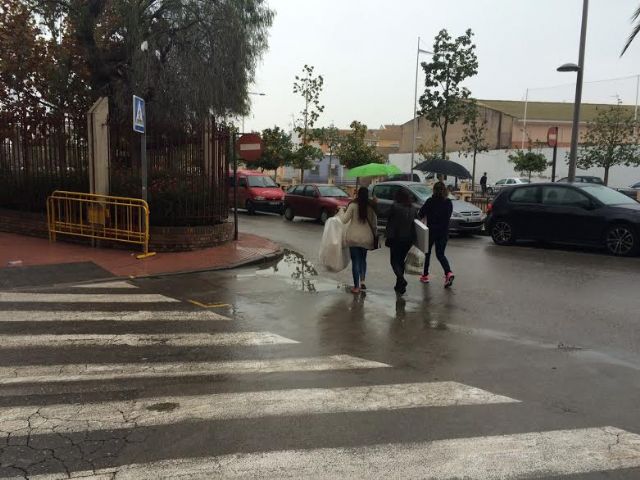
(26, 425)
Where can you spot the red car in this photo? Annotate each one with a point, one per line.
(314, 201)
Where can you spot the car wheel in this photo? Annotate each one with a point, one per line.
(251, 208)
(324, 216)
(621, 240)
(502, 233)
(288, 214)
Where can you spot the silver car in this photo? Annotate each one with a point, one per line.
(466, 218)
(507, 182)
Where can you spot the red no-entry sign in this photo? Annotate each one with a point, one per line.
(552, 136)
(249, 147)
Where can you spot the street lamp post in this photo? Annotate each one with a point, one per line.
(259, 94)
(579, 69)
(415, 104)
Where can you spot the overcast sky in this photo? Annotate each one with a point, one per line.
(366, 51)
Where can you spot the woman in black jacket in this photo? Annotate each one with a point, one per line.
(400, 235)
(438, 211)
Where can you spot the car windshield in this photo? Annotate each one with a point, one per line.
(524, 180)
(330, 191)
(261, 181)
(607, 195)
(422, 191)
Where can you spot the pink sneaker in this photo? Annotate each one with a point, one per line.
(448, 279)
(424, 278)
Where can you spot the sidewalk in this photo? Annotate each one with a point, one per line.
(26, 251)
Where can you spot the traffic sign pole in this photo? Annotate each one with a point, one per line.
(143, 165)
(234, 156)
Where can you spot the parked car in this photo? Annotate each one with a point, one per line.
(635, 186)
(570, 213)
(314, 201)
(256, 192)
(466, 218)
(506, 182)
(583, 179)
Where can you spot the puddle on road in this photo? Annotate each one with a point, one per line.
(296, 270)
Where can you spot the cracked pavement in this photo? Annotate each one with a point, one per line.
(528, 368)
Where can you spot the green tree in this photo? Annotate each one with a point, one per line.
(609, 141)
(277, 149)
(528, 162)
(305, 157)
(200, 57)
(309, 88)
(634, 32)
(331, 138)
(474, 135)
(444, 100)
(354, 151)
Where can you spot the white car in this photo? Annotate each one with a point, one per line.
(507, 182)
(635, 186)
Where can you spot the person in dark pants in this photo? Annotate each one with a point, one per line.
(400, 234)
(483, 183)
(437, 209)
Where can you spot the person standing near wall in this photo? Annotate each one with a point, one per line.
(483, 183)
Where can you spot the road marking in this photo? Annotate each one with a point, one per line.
(121, 371)
(117, 316)
(117, 284)
(225, 406)
(84, 297)
(209, 305)
(143, 340)
(526, 455)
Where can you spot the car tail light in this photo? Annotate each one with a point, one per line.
(489, 207)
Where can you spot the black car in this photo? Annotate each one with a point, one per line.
(570, 213)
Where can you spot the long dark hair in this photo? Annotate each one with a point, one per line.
(402, 197)
(363, 203)
(440, 191)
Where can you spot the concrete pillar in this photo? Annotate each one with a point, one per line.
(98, 130)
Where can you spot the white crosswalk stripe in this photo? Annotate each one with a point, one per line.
(527, 455)
(97, 316)
(143, 340)
(521, 455)
(84, 297)
(118, 371)
(225, 406)
(114, 285)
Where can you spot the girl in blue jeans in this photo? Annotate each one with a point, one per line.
(362, 222)
(438, 209)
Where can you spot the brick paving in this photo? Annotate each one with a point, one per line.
(26, 251)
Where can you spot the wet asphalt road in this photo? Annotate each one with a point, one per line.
(529, 367)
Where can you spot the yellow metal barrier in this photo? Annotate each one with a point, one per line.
(100, 217)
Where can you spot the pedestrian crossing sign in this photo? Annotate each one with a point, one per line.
(139, 115)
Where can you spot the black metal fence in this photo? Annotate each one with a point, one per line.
(187, 172)
(37, 158)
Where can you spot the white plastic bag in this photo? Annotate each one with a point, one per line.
(414, 262)
(333, 254)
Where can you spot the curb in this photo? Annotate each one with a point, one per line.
(252, 261)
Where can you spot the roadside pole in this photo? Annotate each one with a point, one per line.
(139, 126)
(234, 156)
(552, 141)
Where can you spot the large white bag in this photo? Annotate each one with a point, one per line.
(422, 236)
(414, 262)
(333, 253)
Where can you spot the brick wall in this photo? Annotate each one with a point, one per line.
(178, 239)
(24, 223)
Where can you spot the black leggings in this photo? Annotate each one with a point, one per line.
(441, 244)
(399, 251)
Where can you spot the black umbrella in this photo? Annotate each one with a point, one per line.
(443, 167)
